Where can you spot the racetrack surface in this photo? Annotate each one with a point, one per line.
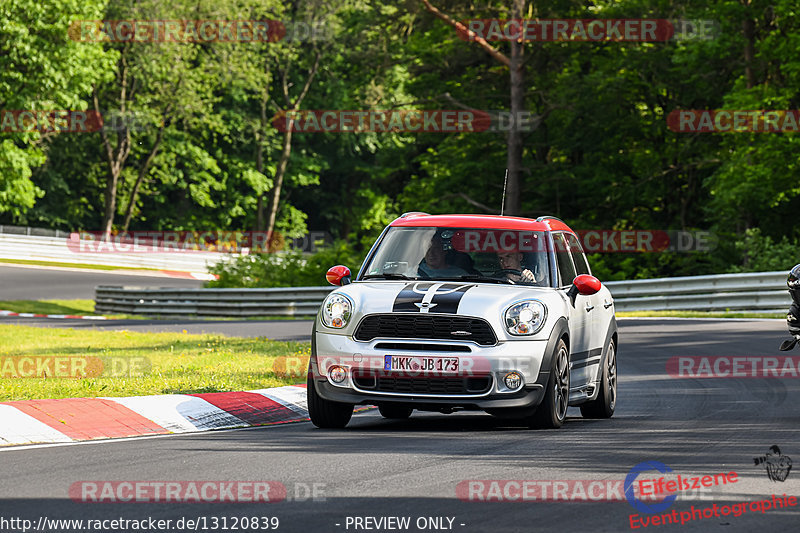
(378, 468)
(31, 282)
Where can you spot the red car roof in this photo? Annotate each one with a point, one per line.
(480, 221)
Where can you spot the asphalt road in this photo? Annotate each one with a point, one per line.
(46, 283)
(380, 468)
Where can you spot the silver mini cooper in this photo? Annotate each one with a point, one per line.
(466, 312)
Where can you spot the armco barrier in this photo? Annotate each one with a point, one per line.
(293, 301)
(762, 291)
(752, 291)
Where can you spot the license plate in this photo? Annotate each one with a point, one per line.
(420, 364)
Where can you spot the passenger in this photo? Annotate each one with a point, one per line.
(435, 264)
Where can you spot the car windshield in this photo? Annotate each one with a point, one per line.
(473, 254)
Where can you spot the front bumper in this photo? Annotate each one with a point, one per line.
(489, 363)
(525, 400)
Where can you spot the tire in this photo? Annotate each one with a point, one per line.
(553, 410)
(603, 406)
(324, 413)
(395, 411)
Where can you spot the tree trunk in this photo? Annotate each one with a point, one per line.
(286, 151)
(516, 68)
(514, 156)
(260, 136)
(116, 158)
(140, 178)
(260, 213)
(748, 27)
(280, 172)
(110, 201)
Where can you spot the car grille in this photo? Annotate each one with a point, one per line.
(423, 385)
(425, 326)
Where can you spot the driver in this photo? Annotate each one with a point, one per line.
(510, 260)
(435, 263)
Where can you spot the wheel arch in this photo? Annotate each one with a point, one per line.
(560, 331)
(612, 334)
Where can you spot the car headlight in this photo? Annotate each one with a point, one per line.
(336, 311)
(525, 318)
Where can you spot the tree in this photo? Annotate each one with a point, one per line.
(516, 71)
(156, 85)
(41, 68)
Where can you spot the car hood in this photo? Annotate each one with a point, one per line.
(484, 300)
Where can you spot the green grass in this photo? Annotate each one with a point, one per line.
(49, 307)
(72, 265)
(179, 362)
(86, 307)
(57, 307)
(699, 314)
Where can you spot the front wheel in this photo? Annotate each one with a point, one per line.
(324, 413)
(603, 405)
(553, 409)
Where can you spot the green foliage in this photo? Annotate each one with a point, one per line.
(291, 268)
(601, 155)
(41, 68)
(763, 254)
(17, 191)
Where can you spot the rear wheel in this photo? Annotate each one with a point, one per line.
(397, 412)
(603, 406)
(553, 409)
(324, 413)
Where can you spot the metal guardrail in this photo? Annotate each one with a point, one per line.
(761, 291)
(752, 291)
(289, 302)
(27, 230)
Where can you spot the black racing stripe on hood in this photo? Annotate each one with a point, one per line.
(441, 297)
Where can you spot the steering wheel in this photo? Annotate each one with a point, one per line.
(504, 271)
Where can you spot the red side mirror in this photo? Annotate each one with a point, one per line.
(339, 275)
(586, 284)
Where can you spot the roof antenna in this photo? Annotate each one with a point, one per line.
(503, 203)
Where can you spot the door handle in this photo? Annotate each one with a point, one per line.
(589, 307)
(607, 304)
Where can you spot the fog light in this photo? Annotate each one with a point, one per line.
(337, 373)
(513, 380)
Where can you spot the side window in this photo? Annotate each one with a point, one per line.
(566, 270)
(581, 266)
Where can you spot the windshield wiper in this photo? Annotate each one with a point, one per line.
(472, 277)
(387, 276)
